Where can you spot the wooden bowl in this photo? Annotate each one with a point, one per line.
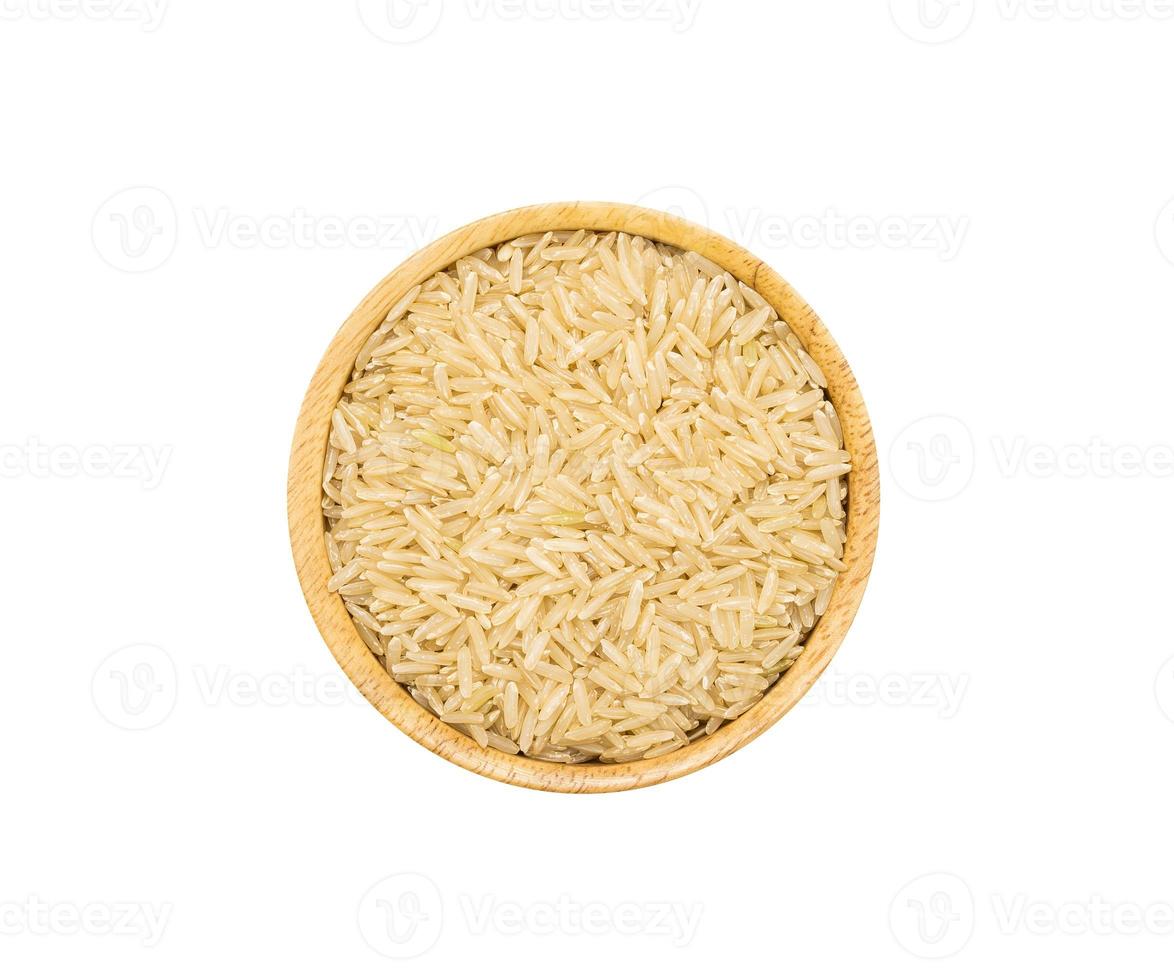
(307, 524)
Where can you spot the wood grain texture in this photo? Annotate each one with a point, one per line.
(307, 525)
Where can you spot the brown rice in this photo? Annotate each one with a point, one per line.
(585, 496)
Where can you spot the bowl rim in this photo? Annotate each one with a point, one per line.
(307, 524)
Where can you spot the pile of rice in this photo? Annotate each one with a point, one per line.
(585, 496)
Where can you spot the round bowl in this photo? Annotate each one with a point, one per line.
(307, 524)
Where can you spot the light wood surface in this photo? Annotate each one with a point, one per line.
(306, 522)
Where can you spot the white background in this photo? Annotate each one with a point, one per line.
(975, 197)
